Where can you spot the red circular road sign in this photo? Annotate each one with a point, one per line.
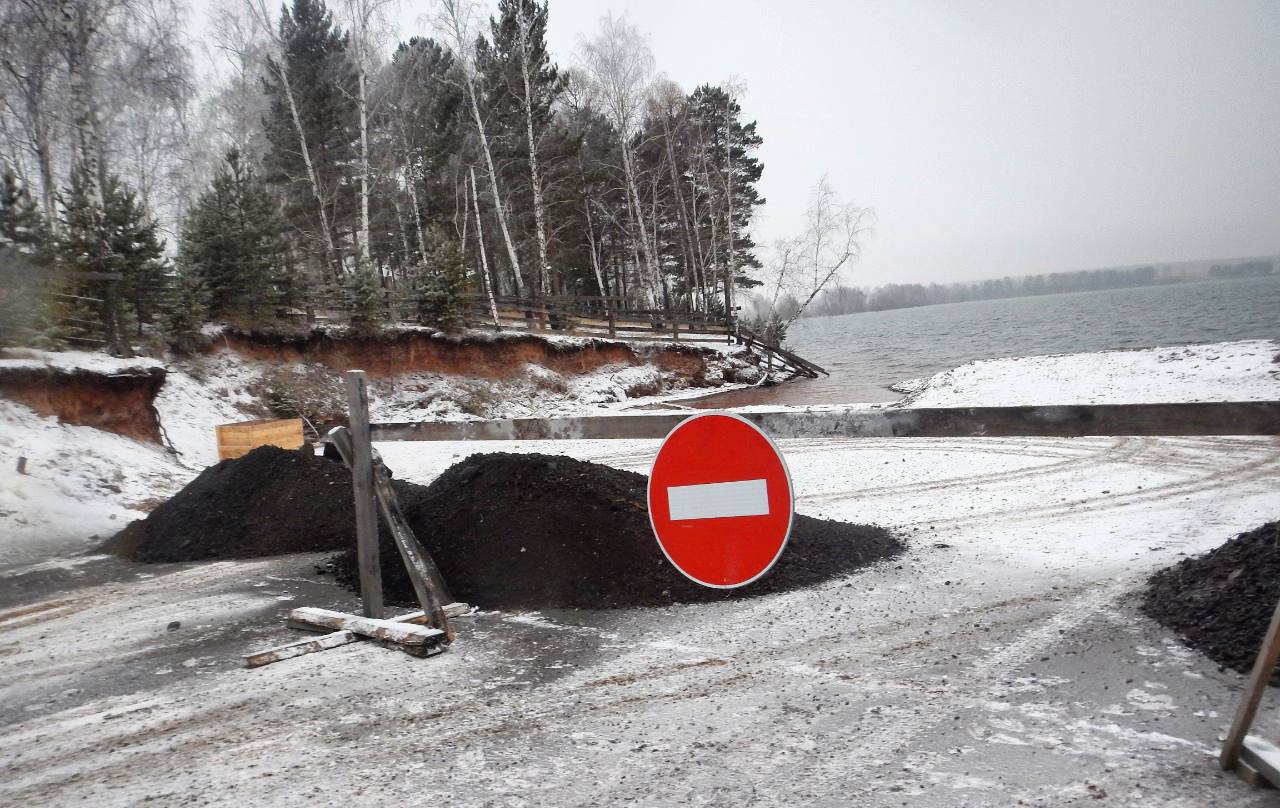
(720, 500)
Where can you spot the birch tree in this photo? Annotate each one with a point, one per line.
(29, 72)
(365, 16)
(456, 21)
(619, 67)
(830, 239)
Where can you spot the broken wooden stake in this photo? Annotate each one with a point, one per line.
(295, 649)
(22, 465)
(336, 639)
(409, 635)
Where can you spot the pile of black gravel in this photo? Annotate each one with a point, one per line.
(531, 531)
(267, 502)
(1221, 602)
(508, 531)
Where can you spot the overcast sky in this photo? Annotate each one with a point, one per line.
(993, 138)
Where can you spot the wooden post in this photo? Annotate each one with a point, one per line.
(1263, 667)
(428, 583)
(362, 483)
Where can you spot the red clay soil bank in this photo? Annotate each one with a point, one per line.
(122, 402)
(1222, 601)
(508, 531)
(498, 356)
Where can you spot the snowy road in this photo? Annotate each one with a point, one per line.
(1000, 660)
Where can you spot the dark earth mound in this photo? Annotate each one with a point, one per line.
(515, 531)
(508, 531)
(268, 502)
(1221, 602)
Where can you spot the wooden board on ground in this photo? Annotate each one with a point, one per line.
(413, 638)
(338, 638)
(239, 439)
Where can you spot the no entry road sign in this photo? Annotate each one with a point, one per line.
(720, 500)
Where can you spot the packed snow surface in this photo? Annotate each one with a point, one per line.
(1225, 371)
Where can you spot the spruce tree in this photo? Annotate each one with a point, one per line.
(137, 252)
(233, 247)
(22, 226)
(117, 236)
(184, 317)
(23, 254)
(438, 286)
(365, 298)
(322, 78)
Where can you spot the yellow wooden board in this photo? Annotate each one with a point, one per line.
(235, 440)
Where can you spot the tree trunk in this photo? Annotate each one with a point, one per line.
(638, 218)
(730, 258)
(363, 103)
(484, 262)
(330, 249)
(417, 214)
(493, 185)
(686, 242)
(535, 177)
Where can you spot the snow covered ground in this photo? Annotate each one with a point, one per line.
(1000, 661)
(1226, 371)
(83, 483)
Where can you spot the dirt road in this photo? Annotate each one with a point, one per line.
(1002, 661)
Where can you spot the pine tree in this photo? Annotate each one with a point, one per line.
(438, 286)
(365, 295)
(137, 252)
(233, 246)
(184, 317)
(116, 237)
(22, 226)
(728, 147)
(422, 113)
(322, 83)
(23, 254)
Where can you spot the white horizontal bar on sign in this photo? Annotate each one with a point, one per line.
(718, 500)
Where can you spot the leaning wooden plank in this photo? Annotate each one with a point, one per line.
(1263, 666)
(386, 630)
(296, 649)
(428, 583)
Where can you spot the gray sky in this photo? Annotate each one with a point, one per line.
(994, 138)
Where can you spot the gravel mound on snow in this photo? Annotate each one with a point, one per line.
(1221, 602)
(515, 531)
(267, 502)
(509, 531)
